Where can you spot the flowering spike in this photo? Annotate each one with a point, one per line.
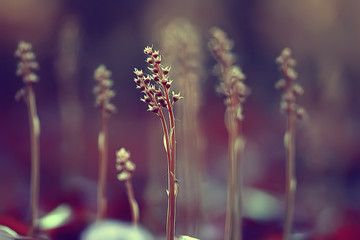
(102, 90)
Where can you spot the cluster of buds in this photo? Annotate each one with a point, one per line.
(231, 77)
(103, 90)
(124, 165)
(27, 64)
(287, 84)
(156, 87)
(26, 67)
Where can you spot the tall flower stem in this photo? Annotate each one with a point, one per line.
(126, 169)
(233, 210)
(103, 95)
(157, 96)
(35, 159)
(170, 233)
(103, 157)
(134, 208)
(288, 104)
(26, 68)
(290, 173)
(235, 91)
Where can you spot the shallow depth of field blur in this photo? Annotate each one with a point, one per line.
(71, 38)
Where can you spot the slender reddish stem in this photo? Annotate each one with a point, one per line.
(233, 210)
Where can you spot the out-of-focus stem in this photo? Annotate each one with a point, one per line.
(35, 162)
(233, 210)
(290, 173)
(133, 203)
(103, 145)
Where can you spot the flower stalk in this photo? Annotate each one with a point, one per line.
(126, 169)
(235, 91)
(156, 89)
(26, 68)
(288, 104)
(103, 95)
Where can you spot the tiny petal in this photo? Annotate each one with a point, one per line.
(301, 113)
(102, 73)
(153, 109)
(31, 78)
(156, 53)
(168, 84)
(298, 90)
(130, 166)
(291, 73)
(147, 80)
(122, 155)
(281, 84)
(156, 78)
(20, 94)
(110, 108)
(148, 50)
(139, 73)
(237, 74)
(149, 60)
(137, 80)
(124, 175)
(176, 97)
(158, 60)
(146, 99)
(166, 70)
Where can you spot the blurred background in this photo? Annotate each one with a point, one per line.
(71, 38)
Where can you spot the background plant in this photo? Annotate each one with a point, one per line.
(233, 87)
(26, 67)
(126, 167)
(288, 104)
(103, 95)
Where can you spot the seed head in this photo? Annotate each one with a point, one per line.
(102, 90)
(124, 165)
(290, 89)
(27, 64)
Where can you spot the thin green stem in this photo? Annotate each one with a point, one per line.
(35, 162)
